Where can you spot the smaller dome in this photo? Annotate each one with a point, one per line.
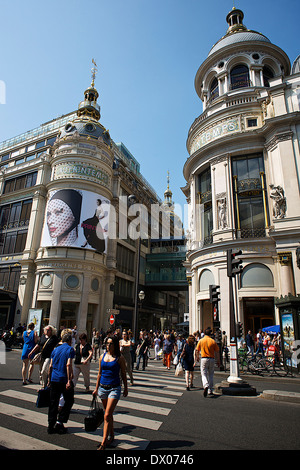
(237, 32)
(240, 36)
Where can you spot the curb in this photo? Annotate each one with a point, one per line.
(277, 395)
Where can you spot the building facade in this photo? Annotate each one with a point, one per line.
(243, 180)
(75, 226)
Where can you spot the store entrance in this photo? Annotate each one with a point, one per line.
(68, 314)
(258, 313)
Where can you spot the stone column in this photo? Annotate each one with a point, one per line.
(55, 310)
(286, 274)
(83, 307)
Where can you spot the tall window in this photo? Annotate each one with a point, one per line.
(239, 77)
(206, 216)
(214, 89)
(14, 220)
(21, 182)
(247, 172)
(267, 75)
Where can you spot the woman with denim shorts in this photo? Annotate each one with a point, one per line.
(108, 385)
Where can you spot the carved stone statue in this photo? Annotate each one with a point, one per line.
(222, 214)
(279, 199)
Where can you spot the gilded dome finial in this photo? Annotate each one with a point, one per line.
(89, 107)
(94, 72)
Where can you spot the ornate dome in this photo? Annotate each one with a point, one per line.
(87, 128)
(239, 36)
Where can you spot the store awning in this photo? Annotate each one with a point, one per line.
(272, 330)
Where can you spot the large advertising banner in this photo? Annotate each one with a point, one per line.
(76, 218)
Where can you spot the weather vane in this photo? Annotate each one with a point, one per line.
(94, 72)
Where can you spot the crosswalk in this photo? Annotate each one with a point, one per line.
(137, 417)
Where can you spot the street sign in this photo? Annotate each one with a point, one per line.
(113, 311)
(112, 319)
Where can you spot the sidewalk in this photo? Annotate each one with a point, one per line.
(276, 395)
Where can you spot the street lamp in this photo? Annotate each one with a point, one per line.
(141, 295)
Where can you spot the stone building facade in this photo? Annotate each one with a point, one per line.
(243, 180)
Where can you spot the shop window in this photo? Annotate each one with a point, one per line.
(206, 279)
(257, 275)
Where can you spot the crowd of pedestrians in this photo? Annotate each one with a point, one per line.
(262, 343)
(119, 355)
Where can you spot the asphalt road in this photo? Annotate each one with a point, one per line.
(195, 423)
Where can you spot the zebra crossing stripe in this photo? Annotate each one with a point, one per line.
(16, 441)
(132, 405)
(118, 417)
(123, 441)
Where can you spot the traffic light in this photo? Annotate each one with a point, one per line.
(218, 336)
(233, 264)
(239, 330)
(214, 294)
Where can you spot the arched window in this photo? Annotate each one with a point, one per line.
(257, 275)
(267, 75)
(214, 89)
(206, 279)
(239, 77)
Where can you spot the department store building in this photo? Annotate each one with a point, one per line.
(69, 245)
(243, 180)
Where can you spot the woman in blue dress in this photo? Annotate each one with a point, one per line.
(30, 339)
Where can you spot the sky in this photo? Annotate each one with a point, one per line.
(147, 53)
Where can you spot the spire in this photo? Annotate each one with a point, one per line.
(89, 107)
(168, 193)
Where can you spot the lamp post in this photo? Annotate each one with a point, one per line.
(138, 302)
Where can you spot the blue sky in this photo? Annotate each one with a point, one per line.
(147, 52)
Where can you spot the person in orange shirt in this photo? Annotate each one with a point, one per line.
(208, 347)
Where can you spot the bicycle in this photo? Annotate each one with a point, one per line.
(274, 364)
(258, 365)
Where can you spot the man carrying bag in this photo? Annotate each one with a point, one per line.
(60, 381)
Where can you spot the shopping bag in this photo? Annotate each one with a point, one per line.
(95, 416)
(175, 360)
(179, 370)
(43, 399)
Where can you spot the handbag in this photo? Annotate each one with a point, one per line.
(179, 370)
(95, 416)
(37, 358)
(43, 399)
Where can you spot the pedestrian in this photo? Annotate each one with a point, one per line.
(74, 336)
(187, 357)
(96, 345)
(125, 345)
(82, 362)
(142, 350)
(224, 345)
(156, 343)
(250, 343)
(30, 339)
(180, 342)
(132, 348)
(168, 350)
(259, 343)
(61, 383)
(207, 347)
(108, 386)
(45, 346)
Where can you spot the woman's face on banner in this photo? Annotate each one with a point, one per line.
(59, 218)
